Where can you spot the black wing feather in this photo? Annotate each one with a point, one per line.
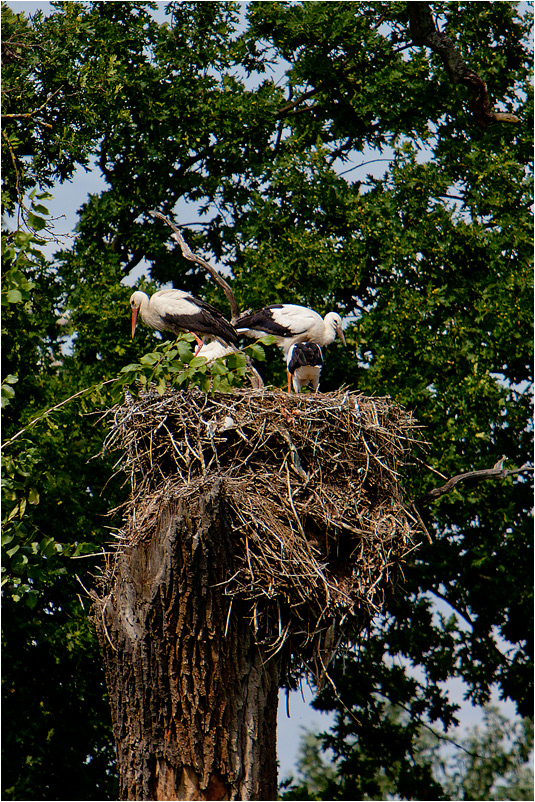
(209, 320)
(263, 321)
(303, 355)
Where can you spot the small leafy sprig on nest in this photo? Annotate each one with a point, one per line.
(172, 363)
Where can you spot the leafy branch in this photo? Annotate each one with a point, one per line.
(424, 32)
(171, 363)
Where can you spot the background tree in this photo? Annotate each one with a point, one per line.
(491, 761)
(430, 262)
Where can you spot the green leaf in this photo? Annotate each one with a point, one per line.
(218, 367)
(37, 207)
(33, 496)
(197, 362)
(150, 359)
(36, 222)
(256, 351)
(132, 368)
(31, 599)
(14, 296)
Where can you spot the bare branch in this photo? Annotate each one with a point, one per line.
(424, 32)
(298, 100)
(30, 114)
(187, 253)
(470, 476)
(53, 409)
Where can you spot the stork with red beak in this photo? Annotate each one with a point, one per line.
(178, 311)
(291, 324)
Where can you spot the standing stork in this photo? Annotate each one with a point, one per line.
(178, 311)
(291, 324)
(304, 362)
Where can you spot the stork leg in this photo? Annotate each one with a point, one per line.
(289, 380)
(199, 341)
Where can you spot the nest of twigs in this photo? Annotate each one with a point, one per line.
(321, 525)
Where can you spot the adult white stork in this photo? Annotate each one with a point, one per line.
(304, 362)
(178, 311)
(291, 324)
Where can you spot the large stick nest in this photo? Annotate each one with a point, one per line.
(320, 522)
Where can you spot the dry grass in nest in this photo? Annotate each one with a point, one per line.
(320, 521)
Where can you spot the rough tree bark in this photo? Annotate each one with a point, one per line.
(194, 710)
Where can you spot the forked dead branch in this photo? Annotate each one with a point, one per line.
(312, 484)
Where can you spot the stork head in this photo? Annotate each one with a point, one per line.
(334, 320)
(136, 299)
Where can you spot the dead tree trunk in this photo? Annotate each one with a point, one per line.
(263, 530)
(194, 702)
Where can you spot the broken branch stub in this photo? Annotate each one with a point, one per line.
(188, 254)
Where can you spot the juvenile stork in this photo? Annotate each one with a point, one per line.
(178, 311)
(304, 362)
(291, 324)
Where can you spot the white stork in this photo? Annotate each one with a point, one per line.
(291, 324)
(304, 362)
(177, 311)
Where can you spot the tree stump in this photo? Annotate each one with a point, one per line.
(194, 702)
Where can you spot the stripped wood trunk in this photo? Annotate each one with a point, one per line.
(194, 703)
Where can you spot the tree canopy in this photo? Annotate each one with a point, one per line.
(258, 118)
(490, 761)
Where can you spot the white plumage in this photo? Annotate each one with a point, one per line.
(291, 324)
(178, 311)
(304, 362)
(214, 350)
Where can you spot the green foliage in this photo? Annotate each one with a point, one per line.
(492, 761)
(173, 364)
(495, 762)
(314, 774)
(7, 388)
(59, 736)
(262, 126)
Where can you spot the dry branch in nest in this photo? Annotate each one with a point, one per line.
(320, 523)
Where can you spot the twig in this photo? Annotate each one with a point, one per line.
(414, 508)
(53, 409)
(475, 476)
(187, 253)
(35, 111)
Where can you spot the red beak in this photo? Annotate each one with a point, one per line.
(134, 320)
